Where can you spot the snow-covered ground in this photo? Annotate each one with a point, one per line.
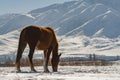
(64, 73)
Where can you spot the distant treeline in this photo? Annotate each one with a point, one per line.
(70, 61)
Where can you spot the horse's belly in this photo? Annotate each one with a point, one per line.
(42, 46)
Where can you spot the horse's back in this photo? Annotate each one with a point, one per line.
(45, 37)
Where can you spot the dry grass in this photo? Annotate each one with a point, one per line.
(67, 63)
(86, 63)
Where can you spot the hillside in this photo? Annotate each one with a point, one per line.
(83, 27)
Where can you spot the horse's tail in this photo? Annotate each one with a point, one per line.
(21, 46)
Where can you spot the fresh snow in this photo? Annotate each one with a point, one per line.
(64, 73)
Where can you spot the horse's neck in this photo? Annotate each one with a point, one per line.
(55, 51)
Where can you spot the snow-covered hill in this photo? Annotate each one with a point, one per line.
(86, 26)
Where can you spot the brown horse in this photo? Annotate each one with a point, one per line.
(41, 39)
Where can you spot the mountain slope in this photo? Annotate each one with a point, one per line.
(85, 26)
(17, 21)
(72, 15)
(91, 16)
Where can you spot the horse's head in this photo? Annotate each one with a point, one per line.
(55, 62)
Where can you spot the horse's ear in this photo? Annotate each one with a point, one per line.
(60, 54)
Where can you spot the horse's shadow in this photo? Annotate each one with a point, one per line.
(42, 72)
(62, 73)
(26, 72)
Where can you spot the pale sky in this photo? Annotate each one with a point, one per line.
(24, 6)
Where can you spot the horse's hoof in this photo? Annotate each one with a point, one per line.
(18, 71)
(47, 71)
(33, 70)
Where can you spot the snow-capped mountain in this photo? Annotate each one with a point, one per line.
(93, 23)
(96, 17)
(82, 16)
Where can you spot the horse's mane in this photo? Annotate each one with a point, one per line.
(50, 29)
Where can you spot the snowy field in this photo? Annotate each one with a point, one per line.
(64, 73)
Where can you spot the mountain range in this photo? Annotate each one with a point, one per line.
(94, 19)
(88, 17)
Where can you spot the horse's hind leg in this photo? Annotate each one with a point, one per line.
(20, 50)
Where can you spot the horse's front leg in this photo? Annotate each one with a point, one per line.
(46, 59)
(30, 60)
(44, 64)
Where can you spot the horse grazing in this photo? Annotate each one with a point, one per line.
(42, 39)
